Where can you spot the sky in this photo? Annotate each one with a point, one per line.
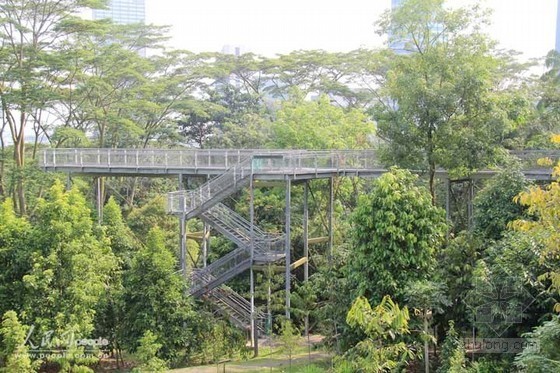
(277, 27)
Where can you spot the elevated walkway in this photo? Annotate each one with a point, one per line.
(268, 164)
(229, 171)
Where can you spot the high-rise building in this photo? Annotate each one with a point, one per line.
(557, 46)
(398, 46)
(123, 11)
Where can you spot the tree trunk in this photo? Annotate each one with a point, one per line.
(19, 157)
(431, 164)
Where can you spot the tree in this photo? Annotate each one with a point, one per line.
(451, 344)
(147, 353)
(548, 107)
(544, 203)
(13, 350)
(121, 238)
(542, 353)
(379, 352)
(289, 338)
(427, 298)
(70, 265)
(154, 299)
(32, 35)
(494, 205)
(15, 257)
(442, 102)
(396, 235)
(320, 125)
(507, 297)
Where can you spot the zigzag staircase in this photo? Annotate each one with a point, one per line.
(205, 203)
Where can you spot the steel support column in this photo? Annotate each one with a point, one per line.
(470, 208)
(288, 245)
(99, 200)
(205, 239)
(331, 217)
(448, 199)
(254, 330)
(182, 232)
(205, 244)
(306, 243)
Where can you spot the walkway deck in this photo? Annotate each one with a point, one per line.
(266, 165)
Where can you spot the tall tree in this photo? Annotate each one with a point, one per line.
(71, 265)
(31, 36)
(395, 238)
(442, 102)
(544, 203)
(154, 300)
(320, 125)
(15, 257)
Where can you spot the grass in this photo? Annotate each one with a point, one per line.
(272, 359)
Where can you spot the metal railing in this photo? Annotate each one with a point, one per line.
(238, 229)
(293, 162)
(220, 271)
(530, 158)
(187, 201)
(145, 158)
(235, 306)
(220, 159)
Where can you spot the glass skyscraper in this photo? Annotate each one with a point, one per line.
(123, 11)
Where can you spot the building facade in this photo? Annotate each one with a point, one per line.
(557, 46)
(123, 11)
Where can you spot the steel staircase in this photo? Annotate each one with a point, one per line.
(267, 248)
(205, 203)
(234, 306)
(195, 202)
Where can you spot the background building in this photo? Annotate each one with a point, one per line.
(123, 11)
(557, 47)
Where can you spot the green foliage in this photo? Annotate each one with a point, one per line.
(396, 234)
(383, 324)
(71, 267)
(15, 256)
(219, 339)
(458, 362)
(215, 343)
(442, 100)
(427, 295)
(13, 350)
(510, 266)
(152, 214)
(147, 354)
(494, 205)
(544, 203)
(119, 234)
(289, 337)
(449, 348)
(320, 125)
(456, 263)
(542, 354)
(154, 299)
(489, 365)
